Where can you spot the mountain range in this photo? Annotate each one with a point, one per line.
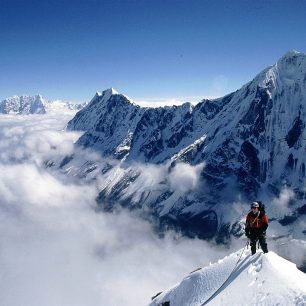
(250, 143)
(23, 105)
(26, 105)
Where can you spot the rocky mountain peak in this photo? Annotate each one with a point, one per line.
(108, 96)
(292, 66)
(111, 91)
(291, 54)
(23, 105)
(108, 93)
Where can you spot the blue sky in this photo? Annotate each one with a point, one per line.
(145, 49)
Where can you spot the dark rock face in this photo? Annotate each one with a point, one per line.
(294, 216)
(290, 162)
(287, 220)
(66, 160)
(154, 146)
(260, 107)
(302, 210)
(295, 132)
(302, 171)
(203, 225)
(249, 172)
(182, 130)
(249, 159)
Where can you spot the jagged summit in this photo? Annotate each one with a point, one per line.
(292, 53)
(36, 96)
(23, 105)
(262, 279)
(108, 91)
(293, 65)
(110, 107)
(106, 95)
(290, 68)
(36, 104)
(112, 91)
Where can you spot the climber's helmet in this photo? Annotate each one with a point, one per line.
(254, 205)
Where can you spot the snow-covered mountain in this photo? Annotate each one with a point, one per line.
(58, 105)
(255, 133)
(119, 128)
(251, 143)
(26, 105)
(23, 105)
(262, 279)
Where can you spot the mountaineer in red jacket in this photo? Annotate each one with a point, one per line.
(256, 226)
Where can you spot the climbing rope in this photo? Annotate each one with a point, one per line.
(214, 294)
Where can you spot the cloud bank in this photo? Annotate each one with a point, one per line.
(56, 250)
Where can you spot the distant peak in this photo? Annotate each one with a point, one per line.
(288, 56)
(105, 95)
(291, 53)
(38, 96)
(292, 64)
(110, 91)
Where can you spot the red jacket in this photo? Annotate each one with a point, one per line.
(256, 221)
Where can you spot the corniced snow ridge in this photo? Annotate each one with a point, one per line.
(261, 279)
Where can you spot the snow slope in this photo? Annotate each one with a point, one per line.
(262, 279)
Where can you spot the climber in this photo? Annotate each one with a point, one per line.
(256, 226)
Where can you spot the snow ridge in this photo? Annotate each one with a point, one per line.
(262, 279)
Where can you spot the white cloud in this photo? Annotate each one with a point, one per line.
(185, 177)
(280, 205)
(35, 138)
(57, 251)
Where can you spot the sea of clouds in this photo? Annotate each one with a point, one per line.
(56, 249)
